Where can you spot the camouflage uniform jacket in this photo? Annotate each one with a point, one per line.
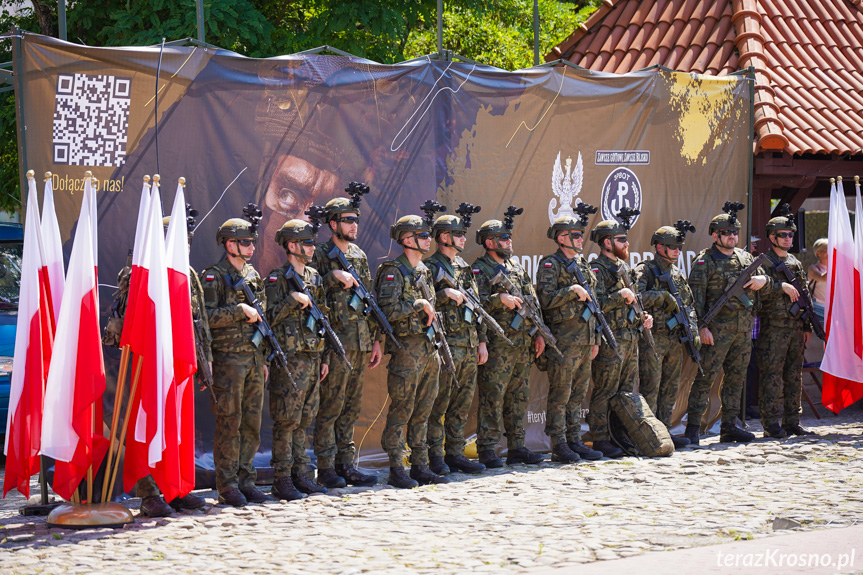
(483, 271)
(459, 331)
(653, 293)
(232, 334)
(397, 295)
(714, 272)
(775, 305)
(356, 330)
(560, 306)
(620, 316)
(294, 327)
(199, 315)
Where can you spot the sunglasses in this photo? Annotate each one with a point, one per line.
(783, 235)
(246, 242)
(576, 235)
(727, 233)
(504, 237)
(621, 239)
(308, 242)
(349, 219)
(457, 234)
(423, 235)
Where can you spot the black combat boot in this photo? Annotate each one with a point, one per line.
(353, 476)
(398, 478)
(775, 431)
(155, 506)
(561, 453)
(463, 464)
(330, 479)
(796, 429)
(692, 433)
(233, 497)
(426, 476)
(490, 460)
(283, 488)
(584, 451)
(253, 494)
(301, 482)
(190, 501)
(679, 442)
(522, 455)
(438, 465)
(608, 449)
(734, 434)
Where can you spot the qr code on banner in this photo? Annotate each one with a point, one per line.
(91, 120)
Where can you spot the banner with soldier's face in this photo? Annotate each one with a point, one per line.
(290, 132)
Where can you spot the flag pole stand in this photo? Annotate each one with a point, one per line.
(45, 507)
(89, 516)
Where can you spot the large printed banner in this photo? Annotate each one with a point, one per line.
(292, 131)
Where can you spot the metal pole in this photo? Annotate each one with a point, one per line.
(439, 27)
(199, 8)
(61, 18)
(536, 32)
(18, 70)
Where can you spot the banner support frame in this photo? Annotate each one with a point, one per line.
(750, 76)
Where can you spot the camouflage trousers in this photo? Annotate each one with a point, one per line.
(292, 411)
(412, 383)
(730, 352)
(239, 389)
(659, 378)
(610, 375)
(503, 383)
(453, 404)
(568, 380)
(780, 363)
(341, 401)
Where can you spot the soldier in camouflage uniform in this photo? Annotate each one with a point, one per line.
(292, 409)
(727, 341)
(503, 381)
(563, 308)
(783, 337)
(468, 346)
(612, 373)
(659, 377)
(412, 378)
(342, 390)
(239, 364)
(152, 504)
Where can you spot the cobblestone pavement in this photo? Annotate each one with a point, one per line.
(508, 520)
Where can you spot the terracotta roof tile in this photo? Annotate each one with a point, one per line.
(807, 55)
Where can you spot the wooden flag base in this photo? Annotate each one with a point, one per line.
(39, 510)
(84, 516)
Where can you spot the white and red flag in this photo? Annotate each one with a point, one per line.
(175, 474)
(150, 341)
(33, 341)
(72, 418)
(842, 364)
(138, 247)
(53, 245)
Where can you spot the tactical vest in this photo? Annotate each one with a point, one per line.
(573, 308)
(721, 274)
(507, 317)
(239, 336)
(623, 317)
(414, 324)
(776, 306)
(652, 271)
(296, 330)
(460, 322)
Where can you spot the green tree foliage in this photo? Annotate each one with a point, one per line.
(495, 32)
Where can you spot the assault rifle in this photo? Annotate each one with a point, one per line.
(436, 332)
(638, 307)
(204, 372)
(592, 307)
(317, 321)
(472, 303)
(263, 327)
(527, 310)
(736, 290)
(802, 308)
(681, 318)
(362, 296)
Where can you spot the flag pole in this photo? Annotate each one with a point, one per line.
(115, 418)
(135, 379)
(90, 470)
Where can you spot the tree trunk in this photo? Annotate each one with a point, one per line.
(44, 16)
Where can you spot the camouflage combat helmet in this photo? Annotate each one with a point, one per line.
(490, 228)
(667, 236)
(448, 223)
(235, 229)
(728, 220)
(606, 229)
(295, 230)
(564, 223)
(338, 206)
(784, 220)
(408, 224)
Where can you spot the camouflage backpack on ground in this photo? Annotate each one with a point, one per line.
(633, 427)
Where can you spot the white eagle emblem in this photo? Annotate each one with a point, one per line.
(565, 186)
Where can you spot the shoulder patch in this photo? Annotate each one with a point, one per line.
(595, 269)
(548, 265)
(273, 278)
(475, 270)
(209, 277)
(390, 277)
(700, 261)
